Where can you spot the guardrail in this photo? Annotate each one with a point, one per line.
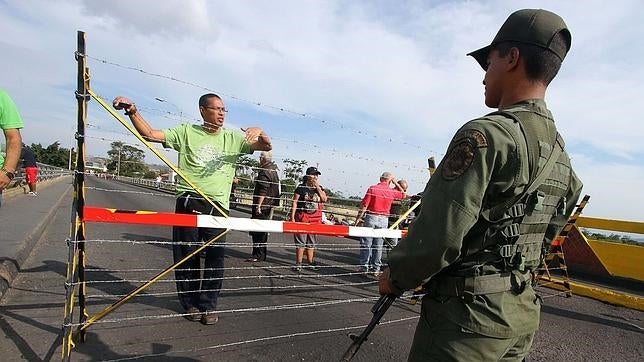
(45, 172)
(243, 199)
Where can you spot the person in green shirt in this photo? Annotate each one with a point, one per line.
(503, 191)
(207, 156)
(10, 123)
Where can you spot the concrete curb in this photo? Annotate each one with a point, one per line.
(602, 294)
(11, 265)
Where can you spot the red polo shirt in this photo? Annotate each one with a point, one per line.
(379, 197)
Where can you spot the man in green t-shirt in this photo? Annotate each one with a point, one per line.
(207, 157)
(10, 123)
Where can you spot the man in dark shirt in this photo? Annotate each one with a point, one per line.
(265, 197)
(31, 168)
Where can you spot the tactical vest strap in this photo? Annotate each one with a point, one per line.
(468, 287)
(519, 241)
(516, 211)
(498, 212)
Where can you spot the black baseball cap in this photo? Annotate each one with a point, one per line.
(313, 171)
(530, 26)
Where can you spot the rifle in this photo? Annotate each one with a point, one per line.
(379, 309)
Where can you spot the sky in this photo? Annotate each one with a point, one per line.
(356, 88)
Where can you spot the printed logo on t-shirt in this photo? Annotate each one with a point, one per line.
(210, 158)
(311, 203)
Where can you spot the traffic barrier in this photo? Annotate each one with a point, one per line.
(96, 214)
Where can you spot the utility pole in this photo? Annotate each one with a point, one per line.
(71, 151)
(118, 165)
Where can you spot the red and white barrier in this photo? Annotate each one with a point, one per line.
(99, 214)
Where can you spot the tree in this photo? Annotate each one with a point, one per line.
(53, 154)
(293, 170)
(244, 170)
(126, 160)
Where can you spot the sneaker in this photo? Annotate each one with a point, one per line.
(193, 314)
(31, 193)
(209, 318)
(314, 266)
(297, 268)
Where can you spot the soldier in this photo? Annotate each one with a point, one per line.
(501, 194)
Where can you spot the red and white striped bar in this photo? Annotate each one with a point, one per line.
(116, 216)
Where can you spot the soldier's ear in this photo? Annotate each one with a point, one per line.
(512, 58)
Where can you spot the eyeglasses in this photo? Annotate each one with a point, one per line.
(217, 109)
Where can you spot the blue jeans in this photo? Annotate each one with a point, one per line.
(371, 248)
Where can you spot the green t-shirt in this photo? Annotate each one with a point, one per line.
(207, 160)
(9, 116)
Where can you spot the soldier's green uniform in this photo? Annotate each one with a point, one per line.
(479, 236)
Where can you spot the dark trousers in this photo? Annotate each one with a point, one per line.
(201, 294)
(260, 239)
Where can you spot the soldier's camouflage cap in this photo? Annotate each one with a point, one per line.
(530, 26)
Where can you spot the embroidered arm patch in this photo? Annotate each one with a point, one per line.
(460, 157)
(477, 137)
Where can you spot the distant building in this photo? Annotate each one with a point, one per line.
(96, 165)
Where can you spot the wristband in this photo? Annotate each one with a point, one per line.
(9, 174)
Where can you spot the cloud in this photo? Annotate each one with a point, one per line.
(173, 19)
(362, 72)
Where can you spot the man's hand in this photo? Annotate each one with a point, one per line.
(252, 134)
(257, 139)
(124, 103)
(384, 284)
(4, 180)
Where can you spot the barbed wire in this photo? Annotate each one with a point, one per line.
(238, 310)
(286, 110)
(306, 286)
(318, 246)
(234, 277)
(138, 270)
(268, 308)
(312, 148)
(265, 339)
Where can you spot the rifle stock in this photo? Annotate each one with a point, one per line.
(379, 309)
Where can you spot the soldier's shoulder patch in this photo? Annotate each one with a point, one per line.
(476, 137)
(458, 160)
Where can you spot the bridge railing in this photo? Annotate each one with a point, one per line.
(45, 172)
(161, 185)
(243, 198)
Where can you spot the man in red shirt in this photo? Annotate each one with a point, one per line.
(375, 210)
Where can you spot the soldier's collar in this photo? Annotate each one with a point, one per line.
(535, 105)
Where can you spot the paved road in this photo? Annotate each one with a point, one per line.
(572, 329)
